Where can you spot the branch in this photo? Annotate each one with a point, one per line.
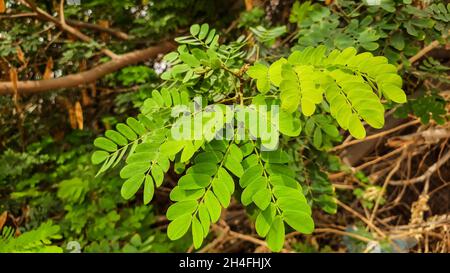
(424, 51)
(79, 24)
(89, 76)
(428, 173)
(62, 25)
(115, 32)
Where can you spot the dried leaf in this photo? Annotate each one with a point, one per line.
(13, 78)
(79, 115)
(2, 6)
(85, 99)
(48, 74)
(3, 218)
(248, 5)
(71, 112)
(72, 118)
(104, 23)
(20, 54)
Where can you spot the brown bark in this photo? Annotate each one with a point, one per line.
(89, 76)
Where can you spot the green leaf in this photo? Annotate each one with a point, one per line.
(99, 156)
(197, 232)
(308, 107)
(211, 36)
(213, 206)
(287, 203)
(235, 153)
(289, 125)
(221, 191)
(167, 97)
(204, 29)
(136, 126)
(156, 95)
(275, 71)
(105, 144)
(275, 236)
(195, 29)
(134, 168)
(283, 191)
(203, 215)
(116, 137)
(209, 157)
(262, 198)
(131, 186)
(178, 227)
(393, 93)
(158, 174)
(180, 208)
(284, 180)
(171, 147)
(141, 157)
(226, 179)
(250, 175)
(203, 168)
(179, 194)
(251, 189)
(299, 221)
(190, 60)
(188, 151)
(260, 73)
(397, 41)
(126, 131)
(355, 127)
(278, 156)
(264, 220)
(234, 166)
(289, 90)
(149, 189)
(194, 181)
(317, 138)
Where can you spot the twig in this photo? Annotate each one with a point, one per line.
(115, 32)
(383, 189)
(336, 231)
(370, 224)
(381, 158)
(247, 238)
(61, 12)
(374, 136)
(18, 15)
(429, 172)
(61, 24)
(422, 52)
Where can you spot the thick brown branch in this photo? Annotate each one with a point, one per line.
(89, 76)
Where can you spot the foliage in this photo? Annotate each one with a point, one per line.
(331, 68)
(94, 215)
(351, 83)
(426, 107)
(38, 240)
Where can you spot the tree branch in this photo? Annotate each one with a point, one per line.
(79, 24)
(89, 76)
(62, 25)
(115, 32)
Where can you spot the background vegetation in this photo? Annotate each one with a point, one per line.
(387, 192)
